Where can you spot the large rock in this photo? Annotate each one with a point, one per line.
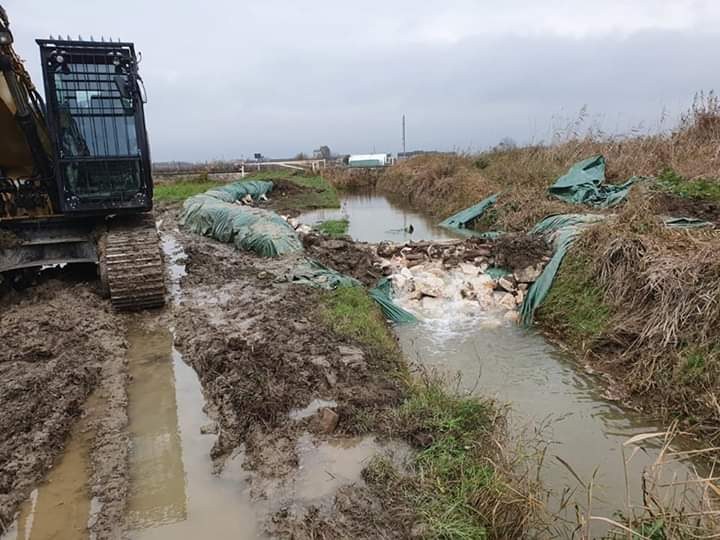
(508, 284)
(529, 274)
(482, 282)
(429, 285)
(325, 421)
(504, 300)
(469, 269)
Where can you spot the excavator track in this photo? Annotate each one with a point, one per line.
(132, 264)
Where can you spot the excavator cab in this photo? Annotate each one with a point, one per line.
(75, 177)
(96, 123)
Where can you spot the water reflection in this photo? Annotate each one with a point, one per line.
(521, 368)
(174, 491)
(373, 218)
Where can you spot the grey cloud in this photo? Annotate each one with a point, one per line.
(229, 79)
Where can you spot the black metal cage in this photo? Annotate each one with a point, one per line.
(96, 120)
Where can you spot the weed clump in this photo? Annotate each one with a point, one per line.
(459, 483)
(334, 227)
(351, 313)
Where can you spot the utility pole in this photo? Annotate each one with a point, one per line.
(403, 133)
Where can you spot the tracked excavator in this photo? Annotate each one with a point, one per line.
(75, 178)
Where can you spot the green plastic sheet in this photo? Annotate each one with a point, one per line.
(215, 214)
(466, 217)
(311, 272)
(584, 184)
(382, 294)
(560, 231)
(687, 223)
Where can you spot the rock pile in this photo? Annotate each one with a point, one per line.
(432, 278)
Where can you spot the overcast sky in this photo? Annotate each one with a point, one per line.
(227, 78)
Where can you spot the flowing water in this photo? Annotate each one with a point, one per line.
(496, 358)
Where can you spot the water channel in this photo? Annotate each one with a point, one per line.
(496, 358)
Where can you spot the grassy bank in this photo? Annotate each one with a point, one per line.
(643, 303)
(461, 483)
(179, 191)
(292, 191)
(334, 227)
(351, 313)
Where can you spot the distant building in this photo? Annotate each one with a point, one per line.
(366, 161)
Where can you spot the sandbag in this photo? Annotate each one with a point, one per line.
(215, 214)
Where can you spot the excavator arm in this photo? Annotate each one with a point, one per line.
(26, 170)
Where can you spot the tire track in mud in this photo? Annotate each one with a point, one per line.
(260, 353)
(62, 343)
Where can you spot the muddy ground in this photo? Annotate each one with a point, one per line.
(673, 205)
(61, 342)
(260, 350)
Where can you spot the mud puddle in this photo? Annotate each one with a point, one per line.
(326, 466)
(373, 218)
(61, 507)
(174, 491)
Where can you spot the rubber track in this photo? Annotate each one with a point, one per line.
(134, 266)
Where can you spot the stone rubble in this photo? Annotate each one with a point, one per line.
(431, 277)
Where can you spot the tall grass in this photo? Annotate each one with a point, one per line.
(443, 184)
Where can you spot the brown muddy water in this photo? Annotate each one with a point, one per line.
(176, 491)
(60, 508)
(488, 356)
(374, 218)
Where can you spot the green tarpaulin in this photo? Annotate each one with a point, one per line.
(215, 214)
(584, 183)
(382, 294)
(310, 272)
(560, 231)
(465, 218)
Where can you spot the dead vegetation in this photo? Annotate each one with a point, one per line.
(671, 506)
(350, 179)
(443, 184)
(660, 292)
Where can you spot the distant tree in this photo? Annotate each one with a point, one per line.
(301, 156)
(505, 144)
(323, 153)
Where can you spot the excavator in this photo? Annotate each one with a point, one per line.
(75, 169)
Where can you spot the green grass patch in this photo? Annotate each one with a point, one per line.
(350, 312)
(699, 188)
(454, 487)
(574, 306)
(179, 191)
(334, 227)
(318, 193)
